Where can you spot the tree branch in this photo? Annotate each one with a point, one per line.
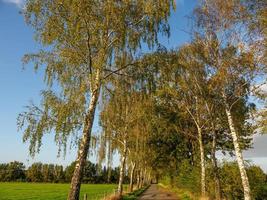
(116, 71)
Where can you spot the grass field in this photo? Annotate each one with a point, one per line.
(50, 191)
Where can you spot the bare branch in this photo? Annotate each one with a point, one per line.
(116, 71)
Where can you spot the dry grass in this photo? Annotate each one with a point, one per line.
(112, 197)
(204, 198)
(181, 193)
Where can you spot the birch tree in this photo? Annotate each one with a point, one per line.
(233, 61)
(117, 119)
(83, 41)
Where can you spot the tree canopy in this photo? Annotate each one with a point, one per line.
(166, 112)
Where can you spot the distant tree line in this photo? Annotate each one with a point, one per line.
(51, 173)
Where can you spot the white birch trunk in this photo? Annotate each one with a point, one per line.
(218, 194)
(132, 176)
(138, 179)
(202, 162)
(85, 141)
(239, 156)
(122, 169)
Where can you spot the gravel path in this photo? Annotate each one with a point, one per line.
(153, 193)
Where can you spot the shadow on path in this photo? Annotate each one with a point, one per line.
(153, 193)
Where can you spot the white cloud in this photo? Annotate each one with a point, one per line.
(18, 3)
(264, 87)
(259, 147)
(257, 154)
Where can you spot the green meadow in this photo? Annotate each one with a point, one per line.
(50, 191)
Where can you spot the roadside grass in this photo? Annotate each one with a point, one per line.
(51, 191)
(135, 194)
(181, 193)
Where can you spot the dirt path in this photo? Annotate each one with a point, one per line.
(153, 193)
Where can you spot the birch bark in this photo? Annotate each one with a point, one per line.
(122, 169)
(132, 176)
(85, 142)
(239, 156)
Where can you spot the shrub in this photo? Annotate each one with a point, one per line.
(232, 185)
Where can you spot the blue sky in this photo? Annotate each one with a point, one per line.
(18, 87)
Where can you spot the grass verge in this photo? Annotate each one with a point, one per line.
(181, 193)
(135, 194)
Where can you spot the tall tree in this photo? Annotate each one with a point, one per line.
(193, 86)
(232, 57)
(34, 172)
(118, 119)
(84, 41)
